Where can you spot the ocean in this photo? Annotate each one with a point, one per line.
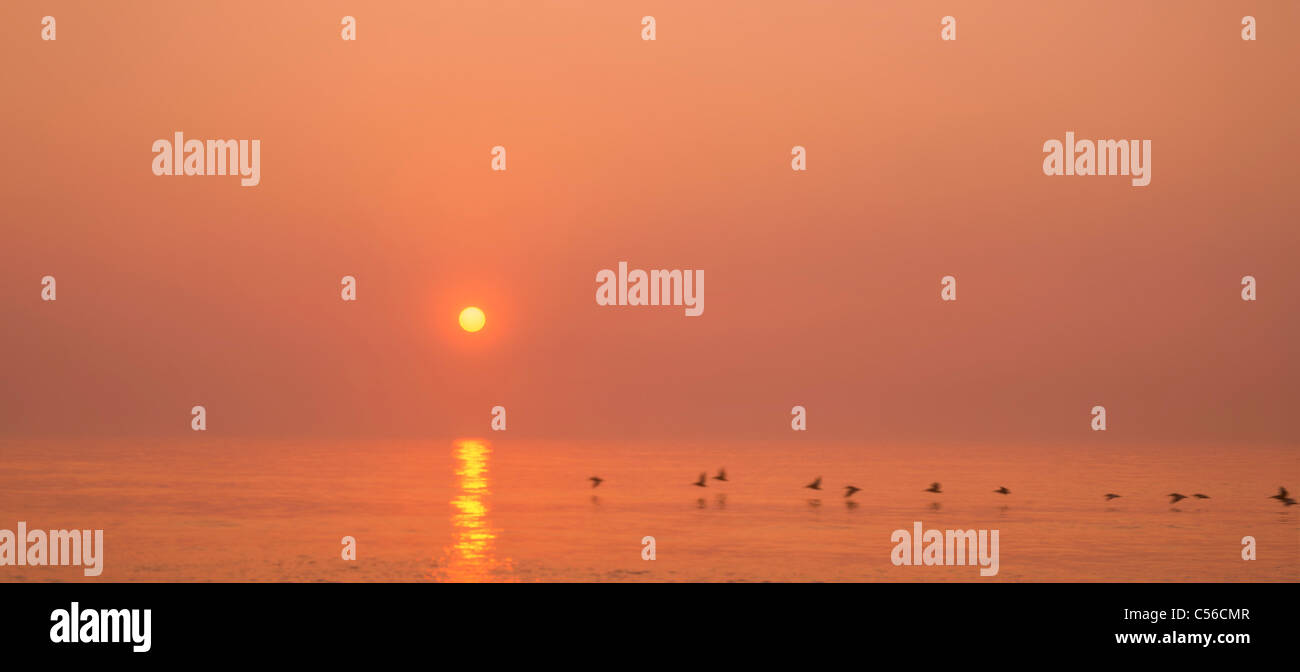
(522, 510)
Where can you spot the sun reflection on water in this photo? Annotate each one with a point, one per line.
(471, 555)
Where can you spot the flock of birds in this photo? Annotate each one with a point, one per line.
(849, 490)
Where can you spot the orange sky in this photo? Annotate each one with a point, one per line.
(924, 159)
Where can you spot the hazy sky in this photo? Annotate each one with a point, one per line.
(924, 160)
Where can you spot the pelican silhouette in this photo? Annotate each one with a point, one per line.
(1111, 495)
(1200, 496)
(934, 487)
(702, 482)
(1174, 497)
(1281, 495)
(1003, 490)
(850, 489)
(722, 475)
(815, 485)
(596, 480)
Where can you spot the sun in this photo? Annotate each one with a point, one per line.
(472, 319)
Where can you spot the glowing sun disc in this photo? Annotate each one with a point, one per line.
(472, 319)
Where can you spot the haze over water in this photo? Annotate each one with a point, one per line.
(924, 160)
(522, 510)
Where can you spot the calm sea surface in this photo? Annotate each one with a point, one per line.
(503, 510)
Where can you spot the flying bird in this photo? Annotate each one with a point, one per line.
(1287, 501)
(934, 487)
(850, 489)
(1200, 496)
(701, 483)
(722, 475)
(1110, 496)
(815, 485)
(596, 480)
(1174, 497)
(1281, 495)
(1003, 490)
